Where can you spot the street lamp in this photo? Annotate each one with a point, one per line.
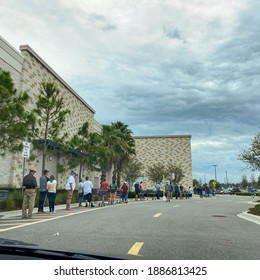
(215, 166)
(226, 179)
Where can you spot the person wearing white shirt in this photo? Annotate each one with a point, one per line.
(70, 186)
(51, 193)
(87, 187)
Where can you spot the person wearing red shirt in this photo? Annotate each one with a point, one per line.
(104, 185)
(125, 190)
(104, 190)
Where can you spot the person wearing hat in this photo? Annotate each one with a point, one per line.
(43, 191)
(70, 186)
(29, 183)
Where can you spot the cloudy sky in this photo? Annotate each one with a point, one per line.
(164, 67)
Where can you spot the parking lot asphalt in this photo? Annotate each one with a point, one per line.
(16, 213)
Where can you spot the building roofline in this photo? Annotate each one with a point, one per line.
(163, 136)
(12, 48)
(33, 53)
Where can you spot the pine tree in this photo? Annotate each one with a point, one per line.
(15, 121)
(51, 117)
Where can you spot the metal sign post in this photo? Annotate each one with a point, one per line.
(25, 154)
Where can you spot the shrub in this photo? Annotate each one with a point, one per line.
(17, 197)
(255, 210)
(7, 204)
(60, 197)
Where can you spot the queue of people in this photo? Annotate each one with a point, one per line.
(48, 188)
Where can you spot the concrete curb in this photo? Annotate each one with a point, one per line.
(18, 213)
(250, 217)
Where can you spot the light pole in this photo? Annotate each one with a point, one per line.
(215, 166)
(226, 179)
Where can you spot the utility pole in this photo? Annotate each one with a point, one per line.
(215, 166)
(226, 179)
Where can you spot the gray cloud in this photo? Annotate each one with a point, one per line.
(101, 22)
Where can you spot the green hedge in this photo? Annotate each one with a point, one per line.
(246, 194)
(255, 210)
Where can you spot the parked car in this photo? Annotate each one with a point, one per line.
(235, 190)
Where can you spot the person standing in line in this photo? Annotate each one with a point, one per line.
(88, 186)
(176, 190)
(112, 189)
(181, 191)
(190, 192)
(137, 190)
(125, 190)
(43, 191)
(104, 187)
(30, 183)
(167, 191)
(141, 186)
(80, 192)
(51, 188)
(70, 187)
(171, 189)
(158, 190)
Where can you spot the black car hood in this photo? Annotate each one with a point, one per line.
(15, 249)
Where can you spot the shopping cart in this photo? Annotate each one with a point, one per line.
(102, 194)
(150, 193)
(119, 194)
(142, 194)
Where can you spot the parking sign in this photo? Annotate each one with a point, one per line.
(26, 150)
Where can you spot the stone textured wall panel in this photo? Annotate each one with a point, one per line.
(164, 149)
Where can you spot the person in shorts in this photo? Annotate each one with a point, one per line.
(104, 188)
(112, 189)
(125, 190)
(70, 186)
(87, 187)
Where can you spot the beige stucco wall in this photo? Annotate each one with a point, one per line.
(164, 149)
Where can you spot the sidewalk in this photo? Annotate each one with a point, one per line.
(18, 213)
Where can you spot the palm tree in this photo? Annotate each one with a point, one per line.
(124, 147)
(120, 146)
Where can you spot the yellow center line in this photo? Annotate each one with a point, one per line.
(135, 248)
(157, 215)
(176, 205)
